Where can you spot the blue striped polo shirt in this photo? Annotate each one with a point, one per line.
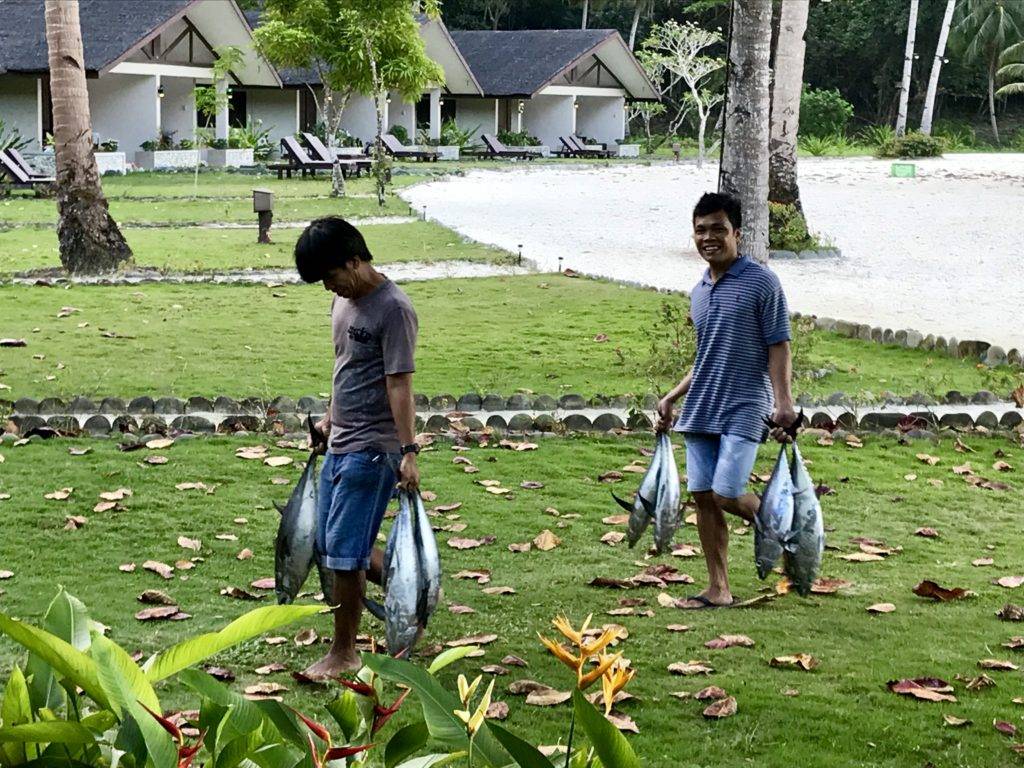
(737, 319)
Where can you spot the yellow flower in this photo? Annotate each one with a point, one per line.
(475, 720)
(604, 663)
(466, 690)
(614, 680)
(561, 623)
(606, 638)
(561, 654)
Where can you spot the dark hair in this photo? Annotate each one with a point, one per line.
(326, 244)
(713, 202)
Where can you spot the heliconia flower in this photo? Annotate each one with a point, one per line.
(166, 724)
(604, 663)
(314, 726)
(573, 662)
(614, 680)
(466, 690)
(363, 689)
(381, 715)
(561, 623)
(338, 753)
(475, 720)
(606, 638)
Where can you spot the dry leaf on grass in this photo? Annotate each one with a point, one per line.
(306, 636)
(932, 590)
(923, 688)
(547, 697)
(1015, 643)
(118, 495)
(861, 557)
(802, 661)
(61, 494)
(269, 669)
(472, 640)
(480, 576)
(460, 543)
(158, 613)
(689, 668)
(193, 544)
(156, 460)
(927, 533)
(611, 538)
(105, 506)
(711, 693)
(277, 461)
(267, 583)
(223, 674)
(955, 722)
(161, 569)
(723, 708)
(126, 568)
(264, 689)
(460, 609)
(1005, 728)
(155, 597)
(997, 664)
(615, 520)
(1010, 582)
(546, 541)
(514, 661)
(729, 641)
(226, 537)
(881, 608)
(239, 594)
(160, 443)
(523, 547)
(74, 522)
(245, 554)
(498, 710)
(982, 561)
(925, 458)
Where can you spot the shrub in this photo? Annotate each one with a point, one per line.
(186, 144)
(819, 145)
(824, 112)
(400, 133)
(10, 138)
(914, 144)
(518, 139)
(252, 136)
(1017, 140)
(787, 229)
(876, 135)
(453, 136)
(957, 136)
(219, 144)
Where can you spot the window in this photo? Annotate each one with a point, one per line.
(238, 108)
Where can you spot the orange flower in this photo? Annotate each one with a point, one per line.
(614, 680)
(604, 663)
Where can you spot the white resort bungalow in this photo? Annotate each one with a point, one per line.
(144, 58)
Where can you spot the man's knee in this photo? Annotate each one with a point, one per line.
(725, 503)
(705, 500)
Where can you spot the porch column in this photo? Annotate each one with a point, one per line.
(221, 118)
(435, 113)
(575, 110)
(157, 107)
(520, 107)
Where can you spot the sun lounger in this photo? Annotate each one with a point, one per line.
(15, 155)
(589, 150)
(297, 159)
(19, 175)
(496, 149)
(401, 152)
(320, 152)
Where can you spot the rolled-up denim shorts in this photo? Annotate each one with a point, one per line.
(354, 492)
(719, 463)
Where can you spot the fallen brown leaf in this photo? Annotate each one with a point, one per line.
(264, 689)
(223, 674)
(547, 697)
(245, 554)
(522, 547)
(480, 576)
(1005, 728)
(1010, 582)
(74, 522)
(239, 594)
(997, 664)
(861, 557)
(161, 569)
(459, 543)
(155, 597)
(472, 640)
(105, 506)
(932, 590)
(158, 444)
(193, 544)
(269, 669)
(955, 722)
(61, 494)
(498, 710)
(925, 689)
(802, 661)
(546, 541)
(306, 636)
(711, 693)
(126, 568)
(729, 641)
(157, 613)
(267, 583)
(723, 708)
(881, 608)
(689, 668)
(927, 533)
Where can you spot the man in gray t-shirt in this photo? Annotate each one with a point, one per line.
(370, 420)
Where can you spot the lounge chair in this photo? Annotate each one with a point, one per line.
(401, 152)
(496, 149)
(298, 160)
(588, 150)
(320, 152)
(15, 155)
(18, 176)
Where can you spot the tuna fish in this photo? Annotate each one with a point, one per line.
(295, 548)
(666, 506)
(403, 582)
(430, 562)
(806, 541)
(641, 511)
(774, 518)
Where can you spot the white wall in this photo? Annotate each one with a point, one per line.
(601, 117)
(402, 113)
(475, 114)
(125, 107)
(278, 109)
(19, 106)
(177, 108)
(547, 118)
(360, 118)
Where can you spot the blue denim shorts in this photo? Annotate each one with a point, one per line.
(354, 492)
(719, 463)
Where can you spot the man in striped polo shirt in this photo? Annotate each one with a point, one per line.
(741, 374)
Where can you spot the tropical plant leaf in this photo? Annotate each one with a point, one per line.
(59, 655)
(67, 618)
(450, 656)
(345, 711)
(128, 670)
(246, 714)
(405, 743)
(610, 745)
(284, 721)
(245, 627)
(16, 709)
(525, 754)
(438, 706)
(429, 761)
(276, 756)
(50, 732)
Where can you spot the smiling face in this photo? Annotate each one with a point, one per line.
(717, 240)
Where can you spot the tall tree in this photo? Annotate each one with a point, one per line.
(744, 169)
(933, 78)
(494, 11)
(984, 30)
(785, 114)
(90, 240)
(639, 6)
(908, 69)
(355, 47)
(1011, 71)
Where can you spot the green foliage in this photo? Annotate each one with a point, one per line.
(787, 229)
(910, 145)
(672, 346)
(611, 746)
(518, 139)
(1011, 70)
(454, 136)
(956, 136)
(819, 146)
(10, 138)
(824, 112)
(399, 132)
(252, 136)
(876, 135)
(186, 144)
(110, 145)
(1017, 140)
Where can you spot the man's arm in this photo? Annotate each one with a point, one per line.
(324, 428)
(780, 371)
(403, 409)
(668, 401)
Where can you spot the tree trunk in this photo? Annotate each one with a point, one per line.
(636, 23)
(90, 241)
(586, 11)
(381, 171)
(785, 114)
(908, 68)
(992, 98)
(744, 171)
(933, 78)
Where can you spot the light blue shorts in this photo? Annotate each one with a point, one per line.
(719, 463)
(354, 493)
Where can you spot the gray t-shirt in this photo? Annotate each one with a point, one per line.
(374, 337)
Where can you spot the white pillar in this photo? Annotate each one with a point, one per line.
(221, 118)
(575, 108)
(435, 113)
(495, 127)
(520, 106)
(158, 111)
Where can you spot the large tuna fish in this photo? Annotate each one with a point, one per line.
(295, 548)
(430, 562)
(774, 518)
(641, 511)
(806, 541)
(403, 581)
(666, 505)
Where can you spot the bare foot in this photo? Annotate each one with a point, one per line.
(332, 665)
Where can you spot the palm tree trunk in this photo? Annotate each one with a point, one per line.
(90, 241)
(744, 171)
(637, 8)
(785, 115)
(586, 10)
(908, 68)
(933, 78)
(992, 99)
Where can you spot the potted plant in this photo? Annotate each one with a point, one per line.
(162, 153)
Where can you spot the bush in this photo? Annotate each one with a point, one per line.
(824, 112)
(186, 144)
(914, 144)
(876, 135)
(400, 133)
(453, 136)
(956, 136)
(110, 145)
(252, 136)
(822, 145)
(787, 229)
(1017, 140)
(219, 144)
(518, 139)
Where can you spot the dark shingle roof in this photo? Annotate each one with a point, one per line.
(109, 29)
(520, 63)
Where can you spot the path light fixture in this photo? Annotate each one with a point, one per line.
(263, 207)
(677, 148)
(522, 106)
(520, 259)
(160, 92)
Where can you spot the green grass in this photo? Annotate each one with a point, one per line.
(198, 249)
(843, 715)
(476, 335)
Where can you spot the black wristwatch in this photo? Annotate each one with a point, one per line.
(410, 448)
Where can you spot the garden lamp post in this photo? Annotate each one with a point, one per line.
(263, 207)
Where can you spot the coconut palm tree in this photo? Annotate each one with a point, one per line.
(90, 240)
(744, 169)
(785, 115)
(908, 67)
(1011, 71)
(639, 6)
(933, 78)
(983, 30)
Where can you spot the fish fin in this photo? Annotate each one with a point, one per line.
(624, 504)
(648, 506)
(278, 507)
(374, 607)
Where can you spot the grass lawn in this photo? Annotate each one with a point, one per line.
(476, 335)
(198, 249)
(843, 715)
